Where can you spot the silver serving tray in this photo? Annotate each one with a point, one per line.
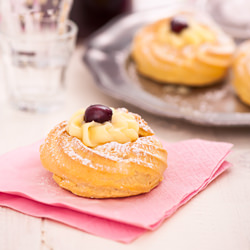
(107, 56)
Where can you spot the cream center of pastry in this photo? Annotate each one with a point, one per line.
(122, 128)
(195, 34)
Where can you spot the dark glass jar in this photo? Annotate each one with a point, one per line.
(90, 15)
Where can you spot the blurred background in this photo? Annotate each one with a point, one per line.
(93, 14)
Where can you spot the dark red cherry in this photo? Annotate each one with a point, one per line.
(98, 113)
(178, 24)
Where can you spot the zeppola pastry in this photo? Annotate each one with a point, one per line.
(183, 49)
(241, 72)
(103, 152)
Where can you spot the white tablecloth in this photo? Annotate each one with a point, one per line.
(217, 218)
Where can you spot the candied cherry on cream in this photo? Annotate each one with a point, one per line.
(98, 113)
(178, 24)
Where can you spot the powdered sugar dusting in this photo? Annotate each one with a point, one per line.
(144, 151)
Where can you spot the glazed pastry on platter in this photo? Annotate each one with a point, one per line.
(241, 72)
(103, 152)
(183, 48)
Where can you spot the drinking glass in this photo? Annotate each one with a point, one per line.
(35, 51)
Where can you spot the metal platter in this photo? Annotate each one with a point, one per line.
(107, 56)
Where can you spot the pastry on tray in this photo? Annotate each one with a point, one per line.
(103, 152)
(183, 48)
(241, 72)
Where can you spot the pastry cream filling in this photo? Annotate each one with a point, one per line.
(122, 128)
(196, 34)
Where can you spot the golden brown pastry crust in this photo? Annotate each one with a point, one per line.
(198, 65)
(109, 170)
(241, 72)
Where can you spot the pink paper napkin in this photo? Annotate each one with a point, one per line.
(27, 187)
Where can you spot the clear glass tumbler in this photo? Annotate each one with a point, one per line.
(35, 56)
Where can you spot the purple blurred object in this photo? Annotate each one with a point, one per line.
(90, 15)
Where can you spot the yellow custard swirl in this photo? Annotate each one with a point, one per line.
(195, 34)
(122, 128)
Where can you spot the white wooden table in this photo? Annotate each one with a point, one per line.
(217, 218)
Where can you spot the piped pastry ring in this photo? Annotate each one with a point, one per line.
(184, 48)
(111, 169)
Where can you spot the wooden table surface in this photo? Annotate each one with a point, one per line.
(217, 218)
